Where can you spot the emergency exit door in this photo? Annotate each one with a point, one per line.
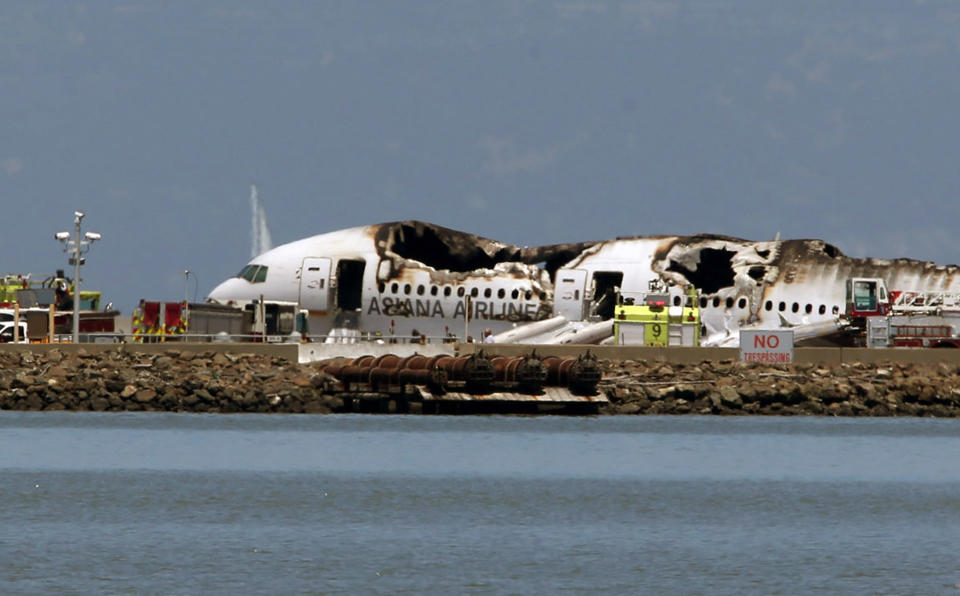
(315, 284)
(568, 296)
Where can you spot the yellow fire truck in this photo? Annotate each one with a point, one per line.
(661, 317)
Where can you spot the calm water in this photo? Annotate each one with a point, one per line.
(191, 504)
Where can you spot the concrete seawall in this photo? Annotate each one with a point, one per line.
(694, 355)
(289, 352)
(310, 352)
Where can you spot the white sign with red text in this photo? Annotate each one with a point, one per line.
(766, 346)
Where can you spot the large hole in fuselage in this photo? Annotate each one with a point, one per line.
(713, 273)
(445, 249)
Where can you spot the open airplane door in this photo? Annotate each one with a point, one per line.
(569, 297)
(315, 284)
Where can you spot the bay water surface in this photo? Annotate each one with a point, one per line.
(149, 503)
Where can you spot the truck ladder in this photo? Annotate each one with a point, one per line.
(918, 302)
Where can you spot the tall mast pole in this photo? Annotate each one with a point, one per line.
(76, 277)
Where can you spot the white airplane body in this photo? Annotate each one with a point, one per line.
(798, 284)
(354, 279)
(411, 278)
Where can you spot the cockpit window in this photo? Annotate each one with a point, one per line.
(254, 273)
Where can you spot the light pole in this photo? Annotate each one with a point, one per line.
(186, 286)
(185, 315)
(76, 246)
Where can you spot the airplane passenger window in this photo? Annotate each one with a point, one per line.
(434, 290)
(796, 307)
(836, 310)
(460, 292)
(406, 288)
(703, 302)
(381, 287)
(474, 292)
(823, 309)
(261, 275)
(420, 289)
(529, 294)
(447, 290)
(808, 308)
(515, 294)
(394, 287)
(742, 303)
(487, 293)
(501, 293)
(768, 305)
(782, 307)
(716, 301)
(729, 302)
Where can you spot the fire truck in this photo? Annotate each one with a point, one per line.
(259, 321)
(661, 317)
(878, 317)
(34, 300)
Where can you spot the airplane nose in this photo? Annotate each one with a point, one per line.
(225, 291)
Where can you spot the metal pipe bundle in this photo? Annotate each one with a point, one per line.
(387, 372)
(476, 372)
(579, 374)
(527, 371)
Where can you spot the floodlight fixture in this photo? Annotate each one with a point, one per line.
(76, 245)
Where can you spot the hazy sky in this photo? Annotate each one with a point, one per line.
(527, 122)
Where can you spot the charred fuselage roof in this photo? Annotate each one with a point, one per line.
(452, 250)
(707, 261)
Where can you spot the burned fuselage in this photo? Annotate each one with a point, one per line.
(767, 284)
(411, 278)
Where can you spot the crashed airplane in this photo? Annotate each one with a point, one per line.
(402, 279)
(413, 278)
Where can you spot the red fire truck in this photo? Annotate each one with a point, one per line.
(882, 318)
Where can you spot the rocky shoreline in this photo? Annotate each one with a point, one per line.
(182, 381)
(174, 381)
(740, 388)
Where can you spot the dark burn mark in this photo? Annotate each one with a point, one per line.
(460, 252)
(713, 272)
(756, 273)
(831, 251)
(763, 253)
(443, 248)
